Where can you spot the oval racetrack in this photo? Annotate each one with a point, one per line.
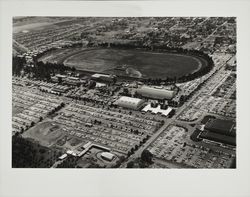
(147, 63)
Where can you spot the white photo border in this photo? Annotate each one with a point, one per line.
(125, 182)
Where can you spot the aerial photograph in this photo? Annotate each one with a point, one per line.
(124, 92)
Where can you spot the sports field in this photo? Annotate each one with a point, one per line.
(135, 63)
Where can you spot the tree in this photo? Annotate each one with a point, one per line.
(92, 84)
(146, 156)
(122, 158)
(73, 69)
(22, 130)
(32, 124)
(125, 91)
(130, 164)
(59, 80)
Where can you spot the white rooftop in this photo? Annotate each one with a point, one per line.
(63, 156)
(129, 99)
(157, 109)
(59, 75)
(97, 75)
(100, 85)
(107, 155)
(129, 102)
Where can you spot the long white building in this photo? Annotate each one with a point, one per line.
(129, 102)
(156, 92)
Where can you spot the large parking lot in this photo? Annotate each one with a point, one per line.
(120, 132)
(227, 89)
(40, 116)
(172, 145)
(30, 107)
(216, 105)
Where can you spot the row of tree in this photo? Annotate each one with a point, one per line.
(39, 69)
(18, 64)
(144, 161)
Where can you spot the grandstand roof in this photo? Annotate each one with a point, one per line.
(156, 92)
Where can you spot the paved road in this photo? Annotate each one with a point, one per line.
(20, 45)
(167, 123)
(170, 121)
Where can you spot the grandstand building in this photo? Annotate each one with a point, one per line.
(156, 92)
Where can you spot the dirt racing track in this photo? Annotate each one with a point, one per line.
(130, 62)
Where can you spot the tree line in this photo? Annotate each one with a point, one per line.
(39, 69)
(43, 70)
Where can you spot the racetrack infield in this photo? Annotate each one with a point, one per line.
(135, 63)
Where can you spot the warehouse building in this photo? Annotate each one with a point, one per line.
(156, 92)
(224, 127)
(129, 102)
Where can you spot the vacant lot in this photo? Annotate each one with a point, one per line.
(47, 133)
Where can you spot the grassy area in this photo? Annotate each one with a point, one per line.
(150, 64)
(45, 132)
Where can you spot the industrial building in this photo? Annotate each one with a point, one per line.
(224, 127)
(129, 102)
(156, 92)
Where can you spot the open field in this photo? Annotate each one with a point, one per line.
(27, 27)
(132, 62)
(47, 133)
(35, 23)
